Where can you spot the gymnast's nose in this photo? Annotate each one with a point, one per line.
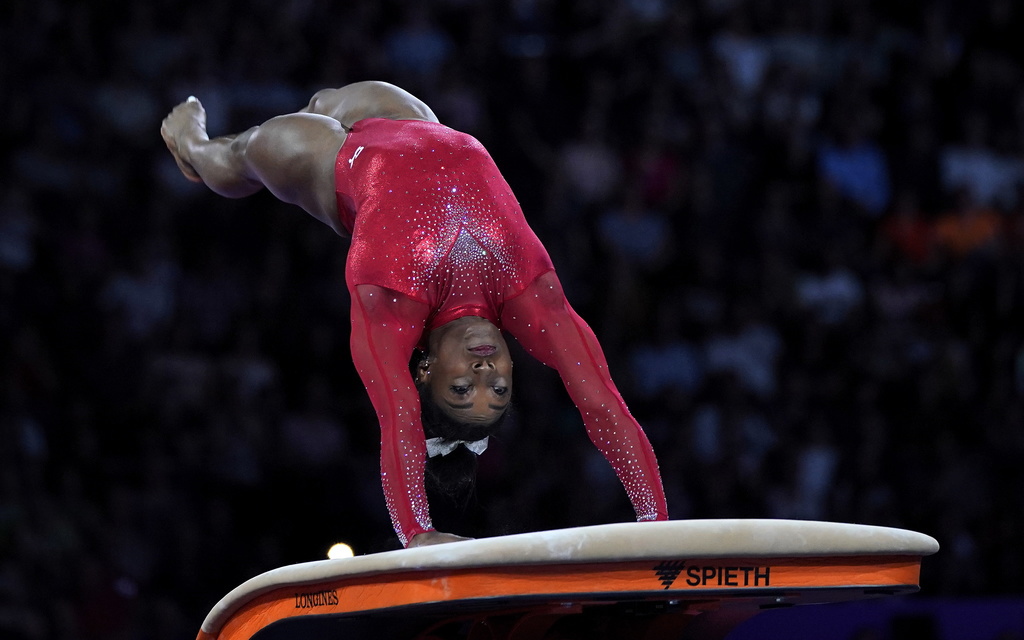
(479, 365)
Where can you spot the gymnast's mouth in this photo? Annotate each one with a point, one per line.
(483, 350)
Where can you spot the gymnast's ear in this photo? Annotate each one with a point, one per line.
(423, 370)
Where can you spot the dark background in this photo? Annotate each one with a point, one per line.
(796, 227)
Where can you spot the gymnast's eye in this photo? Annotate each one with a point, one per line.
(460, 390)
(501, 390)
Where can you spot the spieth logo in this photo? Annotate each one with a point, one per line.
(669, 571)
(713, 575)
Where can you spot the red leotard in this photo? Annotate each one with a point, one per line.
(437, 235)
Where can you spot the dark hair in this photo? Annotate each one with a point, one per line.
(452, 476)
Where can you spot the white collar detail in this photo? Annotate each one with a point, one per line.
(442, 447)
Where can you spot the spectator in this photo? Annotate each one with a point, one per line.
(967, 229)
(906, 232)
(856, 165)
(635, 233)
(418, 48)
(832, 295)
(144, 297)
(987, 178)
(590, 165)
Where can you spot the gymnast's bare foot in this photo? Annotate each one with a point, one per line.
(185, 120)
(434, 537)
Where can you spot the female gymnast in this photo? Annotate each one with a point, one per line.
(441, 260)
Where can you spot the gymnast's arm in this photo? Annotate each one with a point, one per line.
(544, 323)
(386, 326)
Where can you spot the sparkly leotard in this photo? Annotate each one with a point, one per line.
(438, 235)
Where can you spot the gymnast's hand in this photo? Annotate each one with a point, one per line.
(187, 120)
(434, 537)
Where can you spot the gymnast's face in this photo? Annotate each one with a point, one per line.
(468, 371)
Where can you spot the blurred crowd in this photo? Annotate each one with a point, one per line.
(795, 225)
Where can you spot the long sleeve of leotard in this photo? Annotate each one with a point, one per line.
(544, 323)
(386, 327)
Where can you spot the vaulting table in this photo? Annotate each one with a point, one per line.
(644, 580)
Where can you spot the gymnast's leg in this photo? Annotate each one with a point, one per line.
(292, 155)
(370, 99)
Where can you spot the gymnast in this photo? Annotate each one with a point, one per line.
(441, 260)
